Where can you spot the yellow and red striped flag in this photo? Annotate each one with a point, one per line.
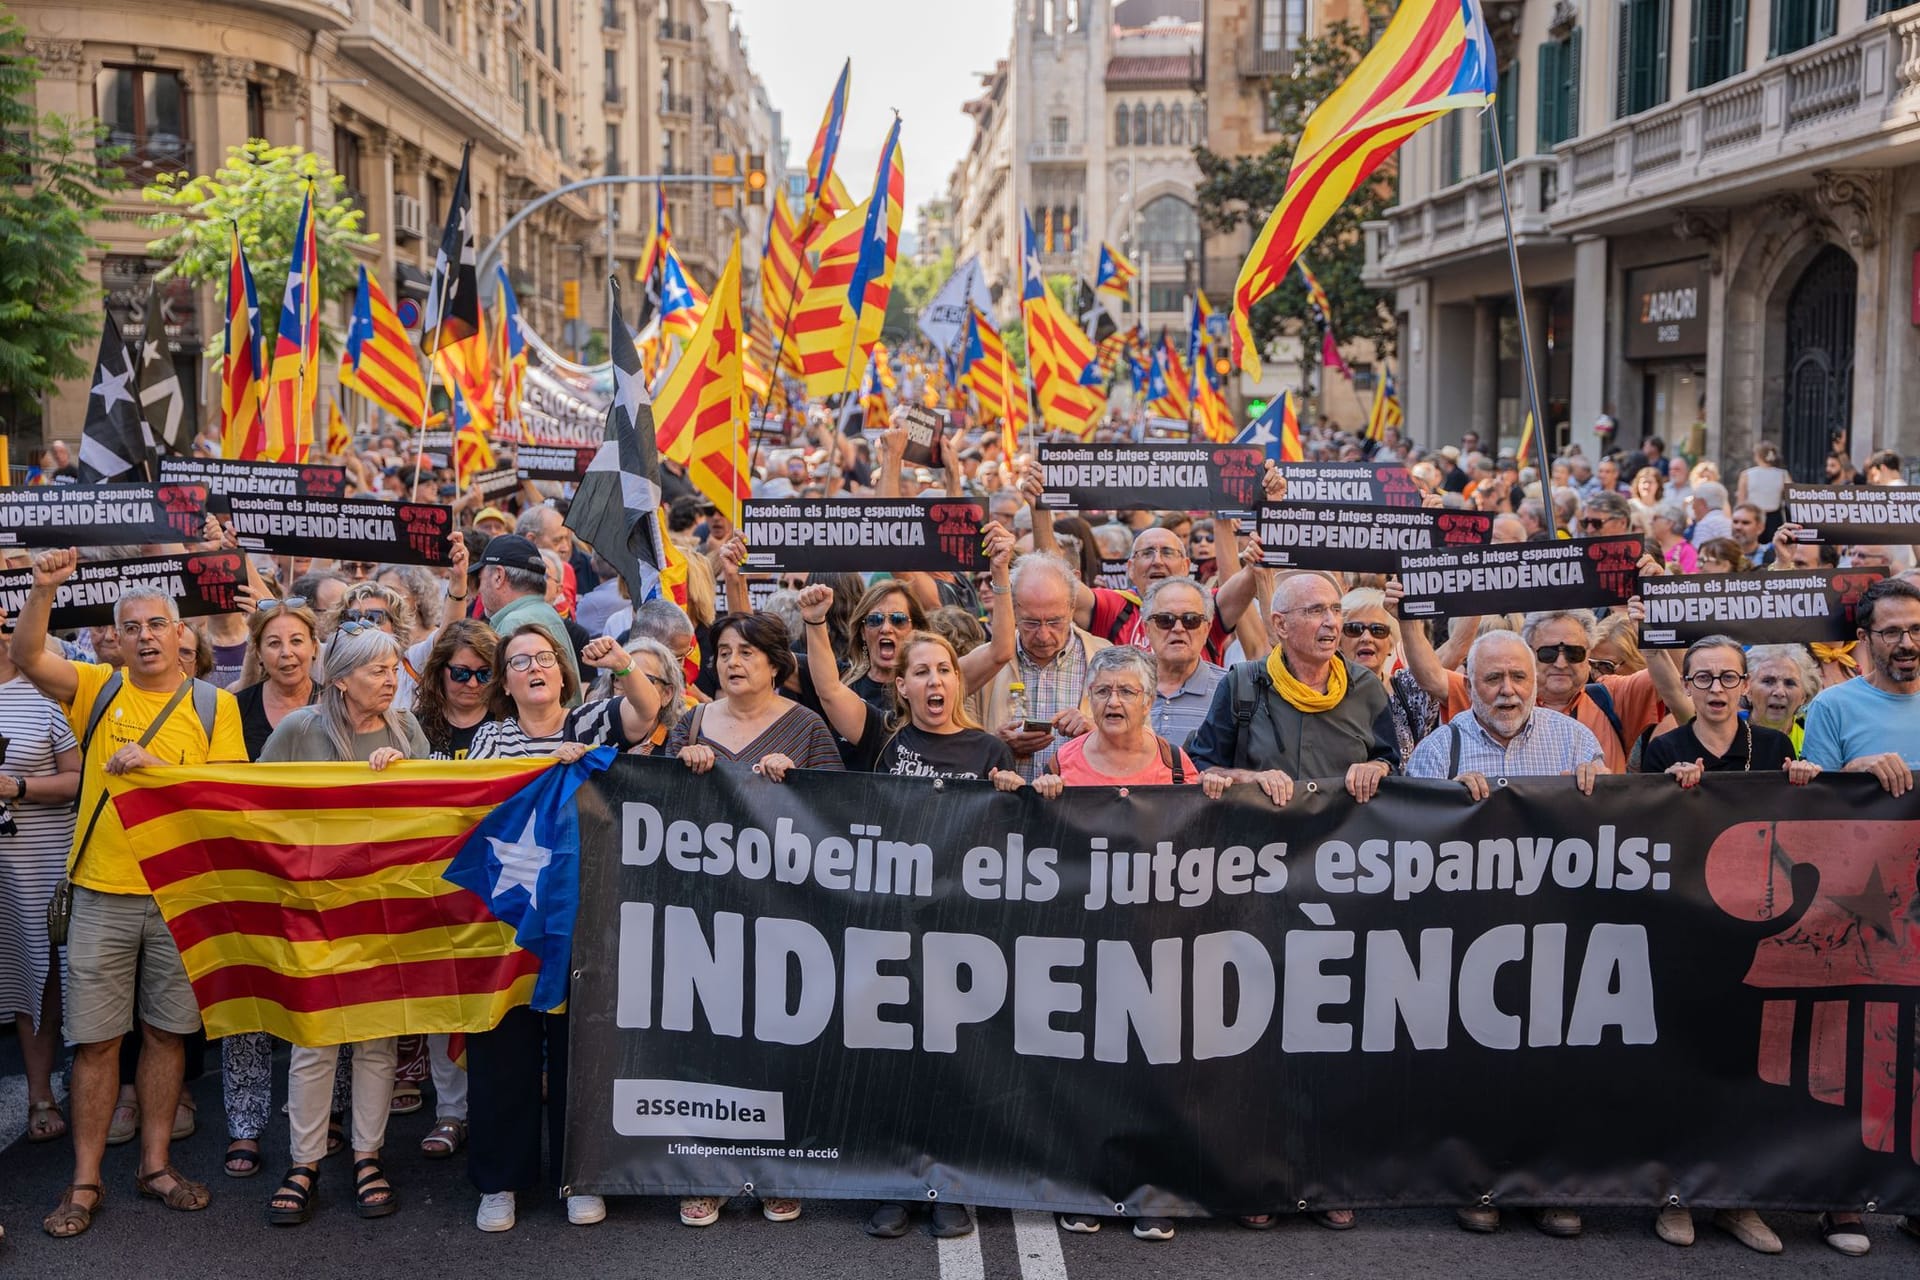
(839, 319)
(1216, 419)
(785, 270)
(242, 374)
(339, 434)
(1291, 448)
(1526, 441)
(308, 900)
(379, 361)
(700, 415)
(1433, 57)
(295, 377)
(825, 196)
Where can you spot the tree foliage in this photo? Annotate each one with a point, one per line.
(259, 189)
(54, 179)
(1240, 191)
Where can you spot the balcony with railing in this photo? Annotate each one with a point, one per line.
(142, 157)
(676, 104)
(678, 32)
(1461, 220)
(1794, 113)
(1263, 64)
(411, 59)
(1056, 152)
(614, 96)
(612, 16)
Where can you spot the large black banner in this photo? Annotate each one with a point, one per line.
(1361, 539)
(102, 515)
(1148, 1002)
(1520, 577)
(1857, 514)
(1774, 607)
(344, 528)
(863, 535)
(199, 582)
(1163, 477)
(223, 476)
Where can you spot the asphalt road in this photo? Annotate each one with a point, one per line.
(433, 1234)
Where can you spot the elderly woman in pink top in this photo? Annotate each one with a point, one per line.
(1120, 750)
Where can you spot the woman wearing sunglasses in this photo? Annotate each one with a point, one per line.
(508, 1066)
(1370, 637)
(888, 613)
(455, 684)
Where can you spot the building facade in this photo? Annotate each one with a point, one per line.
(1713, 202)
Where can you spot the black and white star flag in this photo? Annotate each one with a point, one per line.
(616, 508)
(115, 443)
(162, 400)
(453, 298)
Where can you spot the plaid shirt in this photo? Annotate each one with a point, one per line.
(1548, 745)
(1051, 689)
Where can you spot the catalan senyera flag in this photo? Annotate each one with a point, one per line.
(784, 272)
(1291, 447)
(1385, 410)
(467, 364)
(1435, 56)
(660, 240)
(1058, 351)
(1315, 294)
(700, 415)
(839, 319)
(242, 377)
(820, 204)
(1176, 400)
(308, 900)
(756, 362)
(379, 361)
(339, 434)
(294, 385)
(472, 451)
(1526, 439)
(990, 376)
(1114, 273)
(509, 358)
(873, 399)
(1210, 406)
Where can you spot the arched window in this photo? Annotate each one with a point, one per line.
(1169, 229)
(1120, 125)
(1197, 117)
(1159, 124)
(1139, 124)
(1177, 125)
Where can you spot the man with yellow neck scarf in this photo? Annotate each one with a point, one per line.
(1305, 712)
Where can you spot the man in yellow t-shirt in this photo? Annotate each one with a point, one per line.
(118, 947)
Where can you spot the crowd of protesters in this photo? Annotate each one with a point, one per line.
(1204, 669)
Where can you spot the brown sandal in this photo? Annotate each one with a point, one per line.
(44, 1122)
(72, 1217)
(185, 1195)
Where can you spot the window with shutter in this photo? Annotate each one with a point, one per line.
(1717, 47)
(1449, 148)
(1505, 116)
(1642, 58)
(1559, 92)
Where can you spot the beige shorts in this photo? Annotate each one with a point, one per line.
(118, 948)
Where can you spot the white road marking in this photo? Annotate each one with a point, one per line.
(1039, 1242)
(960, 1257)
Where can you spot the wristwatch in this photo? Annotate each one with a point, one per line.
(19, 786)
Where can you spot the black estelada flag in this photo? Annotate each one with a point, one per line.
(1094, 316)
(616, 508)
(453, 298)
(115, 443)
(162, 400)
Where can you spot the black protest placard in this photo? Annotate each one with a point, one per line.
(863, 535)
(1350, 483)
(1113, 574)
(344, 528)
(1780, 607)
(1520, 577)
(1361, 539)
(436, 446)
(553, 461)
(1855, 514)
(224, 476)
(201, 583)
(102, 515)
(496, 483)
(926, 434)
(760, 589)
(1156, 476)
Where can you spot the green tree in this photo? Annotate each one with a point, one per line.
(1238, 191)
(259, 189)
(54, 180)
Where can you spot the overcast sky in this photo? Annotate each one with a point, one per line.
(916, 56)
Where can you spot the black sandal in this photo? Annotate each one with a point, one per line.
(242, 1162)
(371, 1201)
(300, 1192)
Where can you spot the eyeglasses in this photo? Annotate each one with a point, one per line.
(1168, 621)
(1894, 635)
(877, 620)
(1159, 553)
(545, 660)
(1041, 624)
(358, 568)
(1113, 692)
(374, 616)
(1354, 630)
(277, 602)
(467, 675)
(1548, 654)
(1602, 666)
(353, 627)
(664, 685)
(1704, 680)
(152, 626)
(1316, 613)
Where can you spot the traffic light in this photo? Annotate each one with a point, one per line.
(725, 165)
(756, 178)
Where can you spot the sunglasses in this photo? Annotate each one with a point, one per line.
(877, 620)
(467, 675)
(1354, 630)
(545, 660)
(374, 616)
(1547, 654)
(275, 602)
(1593, 523)
(1602, 666)
(353, 627)
(358, 568)
(1168, 621)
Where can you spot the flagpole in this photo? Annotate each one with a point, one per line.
(1526, 339)
(420, 432)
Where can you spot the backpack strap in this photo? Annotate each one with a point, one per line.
(1603, 699)
(206, 705)
(1453, 749)
(153, 728)
(101, 701)
(1170, 757)
(1246, 699)
(693, 726)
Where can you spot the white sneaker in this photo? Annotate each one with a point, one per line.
(496, 1212)
(584, 1211)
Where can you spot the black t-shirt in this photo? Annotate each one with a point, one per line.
(873, 693)
(912, 753)
(459, 740)
(1771, 751)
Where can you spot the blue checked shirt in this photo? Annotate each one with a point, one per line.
(1548, 745)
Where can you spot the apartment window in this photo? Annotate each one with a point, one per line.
(436, 199)
(430, 14)
(1272, 26)
(1159, 124)
(1139, 124)
(1504, 116)
(666, 153)
(1559, 90)
(554, 52)
(610, 71)
(560, 132)
(1169, 228)
(1272, 113)
(1296, 22)
(1799, 23)
(540, 28)
(1197, 119)
(1643, 27)
(1169, 296)
(1120, 125)
(145, 111)
(346, 162)
(1177, 125)
(1057, 129)
(1718, 46)
(256, 110)
(1449, 148)
(1877, 7)
(544, 135)
(615, 162)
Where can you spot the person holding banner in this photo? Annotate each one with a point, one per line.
(1050, 663)
(353, 719)
(1179, 612)
(1370, 636)
(1718, 739)
(1871, 724)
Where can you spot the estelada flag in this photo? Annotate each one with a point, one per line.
(308, 901)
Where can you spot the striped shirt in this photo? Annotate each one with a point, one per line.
(593, 723)
(1549, 744)
(34, 857)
